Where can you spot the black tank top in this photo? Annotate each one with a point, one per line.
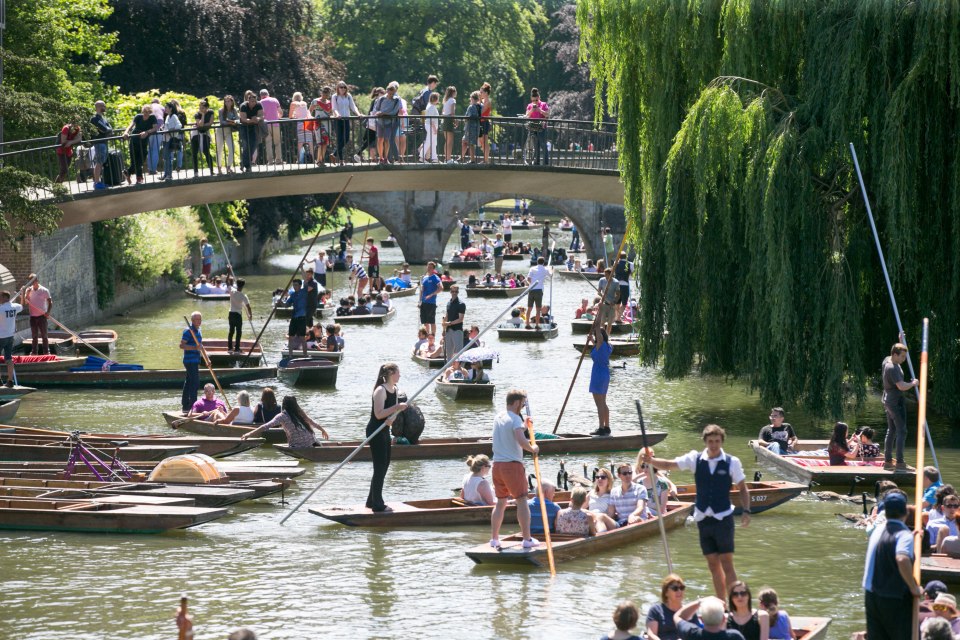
(266, 414)
(750, 629)
(390, 401)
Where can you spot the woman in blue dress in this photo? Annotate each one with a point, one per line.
(600, 379)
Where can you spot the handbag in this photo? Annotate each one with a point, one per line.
(535, 126)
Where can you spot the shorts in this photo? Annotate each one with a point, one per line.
(207, 266)
(447, 125)
(322, 279)
(716, 536)
(428, 313)
(608, 313)
(535, 298)
(484, 127)
(373, 271)
(507, 237)
(100, 153)
(510, 480)
(6, 346)
(298, 327)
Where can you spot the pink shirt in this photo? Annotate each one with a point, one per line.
(537, 110)
(157, 110)
(271, 108)
(37, 300)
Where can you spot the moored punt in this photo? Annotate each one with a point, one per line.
(25, 365)
(817, 469)
(466, 390)
(427, 448)
(14, 392)
(200, 495)
(401, 293)
(214, 447)
(141, 379)
(210, 297)
(388, 243)
(31, 449)
(940, 567)
(209, 429)
(101, 339)
(566, 547)
(569, 273)
(246, 471)
(59, 342)
(620, 347)
(372, 318)
(483, 291)
(469, 264)
(764, 495)
(83, 494)
(314, 354)
(85, 516)
(810, 628)
(221, 356)
(584, 326)
(8, 409)
(539, 332)
(308, 372)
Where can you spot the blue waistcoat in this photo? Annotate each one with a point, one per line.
(713, 490)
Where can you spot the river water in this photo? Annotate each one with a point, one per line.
(312, 578)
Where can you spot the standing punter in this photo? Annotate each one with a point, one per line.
(191, 361)
(893, 405)
(715, 473)
(509, 474)
(8, 327)
(430, 286)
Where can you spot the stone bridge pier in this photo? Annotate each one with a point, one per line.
(423, 221)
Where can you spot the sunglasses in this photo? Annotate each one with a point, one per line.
(941, 607)
(951, 505)
(626, 473)
(599, 478)
(739, 594)
(678, 587)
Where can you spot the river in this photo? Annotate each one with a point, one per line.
(312, 578)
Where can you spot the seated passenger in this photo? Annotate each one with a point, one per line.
(267, 408)
(380, 305)
(472, 280)
(582, 309)
(298, 426)
(476, 373)
(421, 339)
(428, 348)
(629, 499)
(838, 449)
(780, 627)
(454, 373)
(344, 308)
(330, 342)
(536, 517)
(240, 414)
(931, 482)
(209, 407)
(405, 275)
(515, 319)
(337, 331)
(590, 268)
(942, 524)
(203, 288)
(476, 488)
(778, 435)
(474, 333)
(574, 520)
(866, 447)
(599, 501)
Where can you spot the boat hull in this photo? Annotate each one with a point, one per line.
(312, 373)
(470, 264)
(830, 476)
(144, 379)
(495, 292)
(584, 326)
(466, 390)
(25, 514)
(25, 449)
(208, 297)
(221, 356)
(521, 333)
(207, 428)
(8, 409)
(621, 348)
(367, 319)
(940, 567)
(566, 273)
(61, 364)
(314, 354)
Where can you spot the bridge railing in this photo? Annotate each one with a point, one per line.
(280, 146)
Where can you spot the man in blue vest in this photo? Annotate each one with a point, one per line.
(715, 472)
(888, 584)
(190, 343)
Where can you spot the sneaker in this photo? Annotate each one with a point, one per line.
(99, 185)
(356, 158)
(495, 543)
(531, 543)
(601, 431)
(9, 384)
(888, 464)
(451, 161)
(901, 466)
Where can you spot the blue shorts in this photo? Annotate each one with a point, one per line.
(716, 536)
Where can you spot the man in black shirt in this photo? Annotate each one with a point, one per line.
(453, 324)
(778, 435)
(312, 287)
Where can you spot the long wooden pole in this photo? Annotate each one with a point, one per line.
(223, 247)
(543, 503)
(206, 360)
(652, 474)
(593, 328)
(918, 530)
(42, 267)
(363, 251)
(76, 336)
(273, 310)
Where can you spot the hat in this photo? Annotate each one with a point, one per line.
(947, 599)
(895, 497)
(934, 587)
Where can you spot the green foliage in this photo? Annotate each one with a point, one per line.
(23, 215)
(123, 108)
(229, 217)
(734, 119)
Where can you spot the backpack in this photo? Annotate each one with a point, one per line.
(409, 423)
(420, 102)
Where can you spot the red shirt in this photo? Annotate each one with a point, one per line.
(374, 254)
(63, 149)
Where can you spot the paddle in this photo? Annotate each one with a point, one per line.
(297, 268)
(593, 328)
(469, 345)
(652, 474)
(206, 360)
(543, 502)
(918, 529)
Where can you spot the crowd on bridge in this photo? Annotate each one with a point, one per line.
(300, 132)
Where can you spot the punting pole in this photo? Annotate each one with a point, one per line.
(893, 299)
(44, 266)
(543, 504)
(593, 328)
(652, 474)
(206, 360)
(223, 247)
(273, 310)
(429, 382)
(918, 530)
(363, 251)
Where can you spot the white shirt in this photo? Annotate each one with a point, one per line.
(237, 301)
(537, 276)
(299, 110)
(432, 112)
(344, 105)
(8, 318)
(688, 462)
(471, 488)
(505, 445)
(449, 106)
(172, 123)
(244, 414)
(319, 266)
(507, 225)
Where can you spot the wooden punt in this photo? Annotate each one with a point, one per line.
(308, 372)
(220, 355)
(430, 448)
(143, 379)
(57, 363)
(466, 390)
(566, 547)
(313, 354)
(940, 567)
(85, 516)
(401, 293)
(540, 332)
(387, 243)
(816, 469)
(579, 275)
(244, 472)
(437, 363)
(483, 291)
(455, 512)
(82, 494)
(220, 447)
(60, 342)
(810, 628)
(517, 257)
(620, 347)
(31, 449)
(207, 428)
(210, 297)
(584, 326)
(447, 283)
(381, 318)
(482, 265)
(14, 392)
(324, 312)
(8, 409)
(219, 495)
(103, 339)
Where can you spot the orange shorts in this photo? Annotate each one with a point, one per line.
(510, 480)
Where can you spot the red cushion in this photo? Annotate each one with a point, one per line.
(26, 359)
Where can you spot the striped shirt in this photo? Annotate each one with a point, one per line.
(358, 271)
(625, 502)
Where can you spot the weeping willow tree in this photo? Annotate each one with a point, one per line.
(758, 261)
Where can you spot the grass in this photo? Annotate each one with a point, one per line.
(359, 218)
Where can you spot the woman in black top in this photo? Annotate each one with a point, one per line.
(267, 409)
(384, 410)
(753, 624)
(200, 140)
(143, 126)
(251, 113)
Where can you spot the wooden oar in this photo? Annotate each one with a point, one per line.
(652, 474)
(918, 530)
(593, 328)
(206, 360)
(543, 503)
(297, 268)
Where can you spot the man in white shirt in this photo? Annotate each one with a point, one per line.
(271, 111)
(715, 472)
(8, 327)
(507, 226)
(509, 474)
(537, 277)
